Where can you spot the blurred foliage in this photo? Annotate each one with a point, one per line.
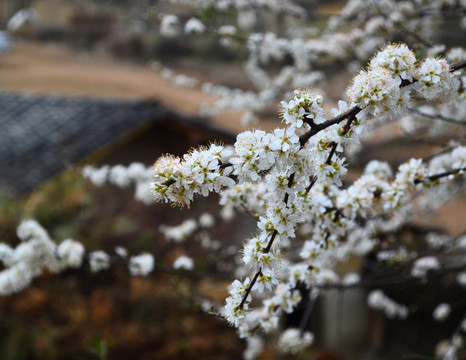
(99, 349)
(203, 49)
(109, 315)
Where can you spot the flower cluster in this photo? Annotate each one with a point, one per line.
(304, 110)
(141, 265)
(379, 301)
(398, 60)
(38, 253)
(422, 265)
(99, 260)
(194, 26)
(292, 341)
(170, 25)
(180, 80)
(35, 254)
(199, 172)
(436, 81)
(123, 176)
(183, 262)
(380, 90)
(233, 312)
(180, 232)
(441, 312)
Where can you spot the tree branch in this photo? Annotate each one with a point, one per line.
(266, 250)
(248, 290)
(313, 295)
(440, 175)
(438, 117)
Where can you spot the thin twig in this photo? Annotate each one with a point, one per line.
(402, 27)
(249, 211)
(442, 152)
(458, 330)
(351, 112)
(248, 290)
(311, 184)
(225, 165)
(440, 175)
(192, 273)
(332, 152)
(313, 295)
(438, 117)
(392, 280)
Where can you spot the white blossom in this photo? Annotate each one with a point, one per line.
(169, 26)
(206, 220)
(441, 312)
(194, 26)
(119, 176)
(292, 341)
(181, 232)
(379, 301)
(422, 265)
(141, 265)
(98, 261)
(71, 253)
(97, 176)
(436, 81)
(183, 262)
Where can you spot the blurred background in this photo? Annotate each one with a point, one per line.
(80, 84)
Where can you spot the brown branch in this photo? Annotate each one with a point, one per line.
(249, 211)
(351, 112)
(311, 184)
(458, 66)
(172, 271)
(223, 166)
(440, 175)
(215, 313)
(332, 152)
(266, 250)
(248, 290)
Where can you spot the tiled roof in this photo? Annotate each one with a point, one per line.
(41, 135)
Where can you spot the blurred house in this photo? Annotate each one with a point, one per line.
(43, 135)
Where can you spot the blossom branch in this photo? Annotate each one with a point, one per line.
(332, 152)
(440, 175)
(248, 290)
(352, 112)
(266, 250)
(356, 109)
